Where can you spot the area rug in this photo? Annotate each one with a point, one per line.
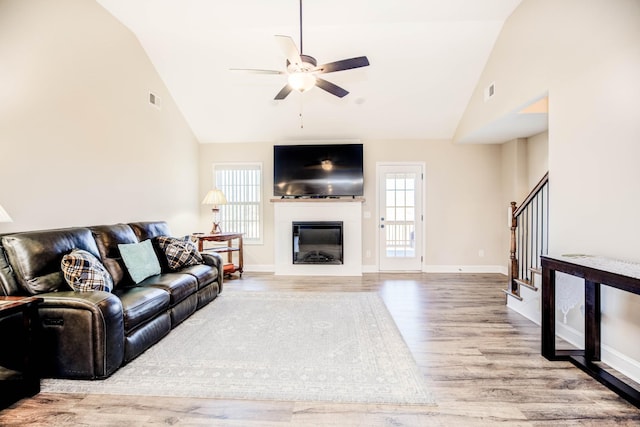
(293, 346)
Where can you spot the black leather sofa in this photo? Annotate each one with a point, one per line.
(89, 335)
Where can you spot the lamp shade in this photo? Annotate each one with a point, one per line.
(4, 216)
(215, 197)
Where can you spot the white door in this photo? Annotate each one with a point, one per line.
(400, 216)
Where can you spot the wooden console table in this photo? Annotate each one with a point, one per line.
(229, 249)
(595, 271)
(21, 378)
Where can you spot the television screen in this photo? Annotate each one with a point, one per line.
(328, 170)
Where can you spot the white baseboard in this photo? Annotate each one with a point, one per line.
(259, 268)
(620, 362)
(529, 307)
(500, 269)
(570, 335)
(372, 268)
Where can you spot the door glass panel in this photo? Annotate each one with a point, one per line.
(399, 223)
(410, 212)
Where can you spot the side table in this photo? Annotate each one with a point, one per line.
(229, 249)
(596, 271)
(19, 375)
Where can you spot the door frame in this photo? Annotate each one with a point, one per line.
(423, 167)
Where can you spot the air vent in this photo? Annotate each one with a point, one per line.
(489, 91)
(154, 100)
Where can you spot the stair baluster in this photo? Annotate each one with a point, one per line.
(529, 238)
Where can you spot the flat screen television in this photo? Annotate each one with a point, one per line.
(325, 170)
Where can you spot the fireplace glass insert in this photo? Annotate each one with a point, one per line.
(317, 242)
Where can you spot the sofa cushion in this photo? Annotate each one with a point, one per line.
(84, 272)
(140, 304)
(35, 256)
(149, 333)
(177, 285)
(204, 274)
(107, 238)
(150, 229)
(140, 259)
(180, 253)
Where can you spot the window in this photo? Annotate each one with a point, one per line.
(241, 183)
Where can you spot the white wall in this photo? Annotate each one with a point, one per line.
(463, 214)
(464, 208)
(586, 55)
(79, 142)
(537, 158)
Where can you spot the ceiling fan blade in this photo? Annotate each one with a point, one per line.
(345, 64)
(286, 90)
(331, 88)
(256, 71)
(290, 50)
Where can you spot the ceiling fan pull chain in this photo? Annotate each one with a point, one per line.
(301, 111)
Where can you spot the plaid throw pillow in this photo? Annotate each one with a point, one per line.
(84, 272)
(179, 252)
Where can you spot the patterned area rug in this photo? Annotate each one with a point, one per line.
(299, 346)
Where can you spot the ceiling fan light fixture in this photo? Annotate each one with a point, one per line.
(302, 81)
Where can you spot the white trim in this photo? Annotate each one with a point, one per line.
(259, 268)
(370, 268)
(373, 268)
(570, 334)
(620, 362)
(423, 196)
(530, 306)
(500, 269)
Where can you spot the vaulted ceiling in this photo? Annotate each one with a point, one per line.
(426, 57)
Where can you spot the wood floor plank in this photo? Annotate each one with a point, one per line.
(480, 360)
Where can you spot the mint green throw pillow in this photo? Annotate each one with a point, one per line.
(140, 259)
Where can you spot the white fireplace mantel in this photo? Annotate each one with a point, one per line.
(349, 211)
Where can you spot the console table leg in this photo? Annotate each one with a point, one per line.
(592, 320)
(548, 313)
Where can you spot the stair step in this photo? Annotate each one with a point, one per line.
(526, 283)
(535, 270)
(511, 294)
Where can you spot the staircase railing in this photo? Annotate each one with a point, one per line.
(529, 238)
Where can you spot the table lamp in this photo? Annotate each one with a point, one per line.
(215, 197)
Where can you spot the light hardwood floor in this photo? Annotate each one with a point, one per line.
(481, 361)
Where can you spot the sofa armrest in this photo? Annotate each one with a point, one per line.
(215, 259)
(82, 334)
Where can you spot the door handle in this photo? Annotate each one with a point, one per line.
(382, 222)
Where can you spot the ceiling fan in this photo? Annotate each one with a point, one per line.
(302, 70)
